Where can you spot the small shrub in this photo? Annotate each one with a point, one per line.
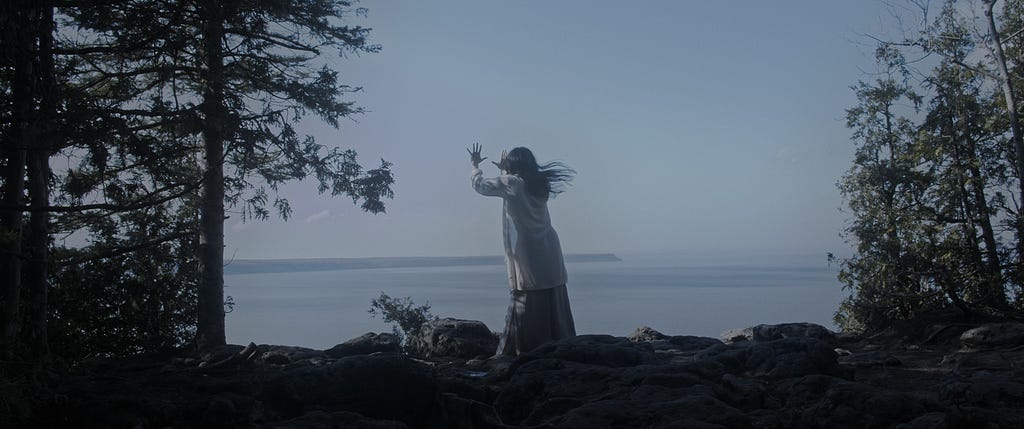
(403, 314)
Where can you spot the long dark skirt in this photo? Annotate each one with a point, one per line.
(534, 318)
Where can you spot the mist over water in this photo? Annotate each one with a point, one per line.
(677, 294)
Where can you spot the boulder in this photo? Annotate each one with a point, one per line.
(777, 331)
(365, 344)
(675, 348)
(994, 335)
(282, 355)
(455, 338)
(646, 333)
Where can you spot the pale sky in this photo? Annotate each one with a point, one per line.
(693, 125)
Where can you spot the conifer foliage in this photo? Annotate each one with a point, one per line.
(937, 183)
(166, 117)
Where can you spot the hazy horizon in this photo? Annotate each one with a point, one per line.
(678, 258)
(667, 296)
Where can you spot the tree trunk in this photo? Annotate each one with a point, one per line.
(995, 294)
(14, 175)
(36, 279)
(210, 329)
(1015, 127)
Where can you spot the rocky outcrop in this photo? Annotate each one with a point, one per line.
(782, 358)
(994, 335)
(777, 378)
(646, 333)
(373, 391)
(458, 338)
(366, 344)
(283, 355)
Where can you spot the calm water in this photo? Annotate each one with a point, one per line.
(675, 294)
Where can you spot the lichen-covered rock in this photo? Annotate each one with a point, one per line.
(994, 335)
(679, 348)
(365, 344)
(646, 333)
(455, 338)
(282, 355)
(779, 331)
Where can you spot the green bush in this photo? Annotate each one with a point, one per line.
(403, 314)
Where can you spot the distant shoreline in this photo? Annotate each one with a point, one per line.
(267, 266)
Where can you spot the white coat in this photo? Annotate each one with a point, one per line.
(532, 249)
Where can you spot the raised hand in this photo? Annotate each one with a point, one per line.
(503, 164)
(474, 155)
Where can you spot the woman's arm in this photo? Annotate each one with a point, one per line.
(503, 186)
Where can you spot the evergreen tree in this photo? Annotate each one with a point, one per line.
(235, 77)
(29, 117)
(882, 189)
(164, 114)
(935, 196)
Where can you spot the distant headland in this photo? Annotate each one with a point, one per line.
(264, 266)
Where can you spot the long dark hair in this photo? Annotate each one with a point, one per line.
(542, 181)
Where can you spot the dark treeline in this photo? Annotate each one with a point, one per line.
(937, 185)
(139, 126)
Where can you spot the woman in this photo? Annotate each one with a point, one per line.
(539, 309)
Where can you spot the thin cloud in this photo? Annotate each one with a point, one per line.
(787, 154)
(318, 216)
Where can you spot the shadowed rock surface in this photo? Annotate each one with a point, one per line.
(1002, 335)
(924, 374)
(456, 338)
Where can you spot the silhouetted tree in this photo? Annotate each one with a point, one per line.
(29, 111)
(165, 114)
(239, 75)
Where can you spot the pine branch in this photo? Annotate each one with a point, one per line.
(122, 250)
